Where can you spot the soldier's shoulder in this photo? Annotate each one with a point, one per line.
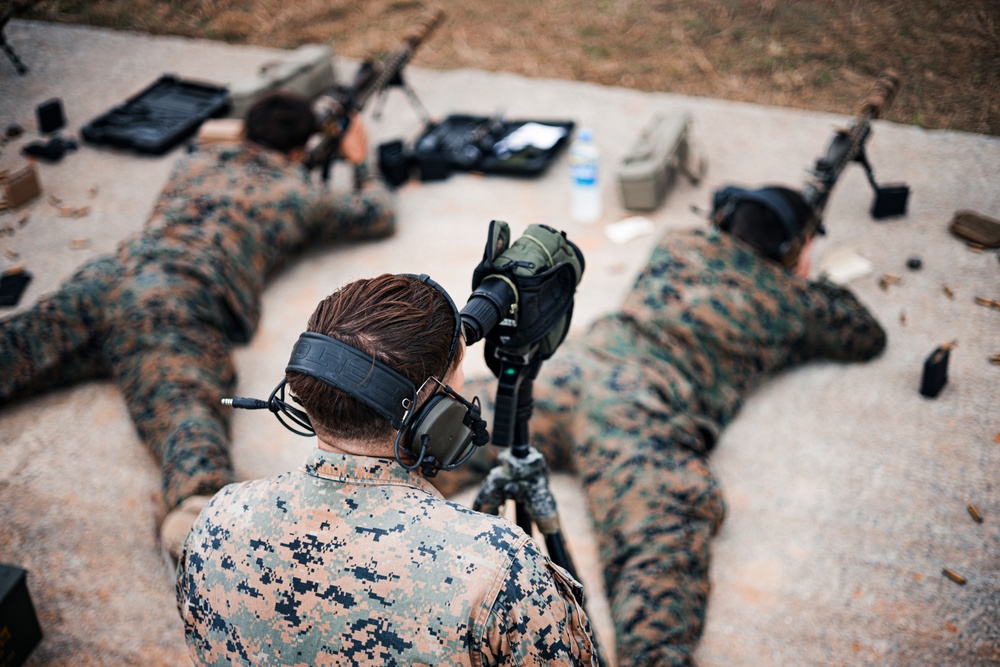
(251, 491)
(497, 532)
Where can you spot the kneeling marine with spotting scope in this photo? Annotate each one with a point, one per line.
(355, 555)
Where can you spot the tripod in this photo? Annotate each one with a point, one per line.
(11, 54)
(522, 474)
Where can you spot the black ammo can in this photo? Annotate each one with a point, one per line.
(19, 629)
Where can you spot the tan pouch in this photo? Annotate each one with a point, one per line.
(976, 227)
(21, 186)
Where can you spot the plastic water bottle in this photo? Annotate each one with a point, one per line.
(586, 204)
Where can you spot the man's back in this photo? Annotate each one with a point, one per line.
(354, 560)
(713, 310)
(231, 214)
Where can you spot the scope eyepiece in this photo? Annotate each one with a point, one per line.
(486, 307)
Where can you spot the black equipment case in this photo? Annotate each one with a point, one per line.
(160, 117)
(19, 629)
(480, 143)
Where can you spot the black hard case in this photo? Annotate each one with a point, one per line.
(19, 629)
(160, 117)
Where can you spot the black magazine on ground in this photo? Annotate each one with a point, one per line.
(490, 145)
(160, 117)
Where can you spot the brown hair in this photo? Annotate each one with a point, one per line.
(399, 320)
(282, 121)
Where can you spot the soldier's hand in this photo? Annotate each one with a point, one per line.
(354, 145)
(804, 265)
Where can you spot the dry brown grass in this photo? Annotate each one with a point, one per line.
(812, 54)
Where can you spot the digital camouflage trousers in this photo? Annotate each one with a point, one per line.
(159, 335)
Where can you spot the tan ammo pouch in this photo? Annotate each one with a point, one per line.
(650, 168)
(976, 227)
(19, 187)
(306, 71)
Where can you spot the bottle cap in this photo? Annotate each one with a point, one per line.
(585, 134)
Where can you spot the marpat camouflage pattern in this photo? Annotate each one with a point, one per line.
(353, 560)
(160, 315)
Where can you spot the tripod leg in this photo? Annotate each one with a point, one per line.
(559, 554)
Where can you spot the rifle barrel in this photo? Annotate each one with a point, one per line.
(417, 33)
(848, 144)
(882, 95)
(334, 110)
(423, 27)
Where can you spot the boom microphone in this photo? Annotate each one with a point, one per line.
(246, 403)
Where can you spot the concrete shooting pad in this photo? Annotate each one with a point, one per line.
(847, 490)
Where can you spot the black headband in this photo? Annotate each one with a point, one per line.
(362, 376)
(351, 371)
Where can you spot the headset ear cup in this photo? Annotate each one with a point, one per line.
(721, 218)
(790, 255)
(724, 202)
(721, 196)
(443, 421)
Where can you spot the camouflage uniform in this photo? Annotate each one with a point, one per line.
(161, 314)
(352, 560)
(635, 405)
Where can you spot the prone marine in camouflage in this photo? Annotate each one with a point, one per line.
(634, 406)
(161, 315)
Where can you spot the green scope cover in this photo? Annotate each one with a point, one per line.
(545, 267)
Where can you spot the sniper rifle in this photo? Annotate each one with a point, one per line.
(336, 108)
(848, 145)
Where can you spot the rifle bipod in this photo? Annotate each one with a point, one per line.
(411, 95)
(7, 48)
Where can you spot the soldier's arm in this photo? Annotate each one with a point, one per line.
(841, 327)
(368, 212)
(538, 617)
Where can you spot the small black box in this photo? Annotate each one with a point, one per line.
(935, 373)
(394, 162)
(890, 201)
(433, 167)
(19, 629)
(11, 289)
(50, 116)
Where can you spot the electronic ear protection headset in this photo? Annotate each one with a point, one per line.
(727, 199)
(441, 434)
